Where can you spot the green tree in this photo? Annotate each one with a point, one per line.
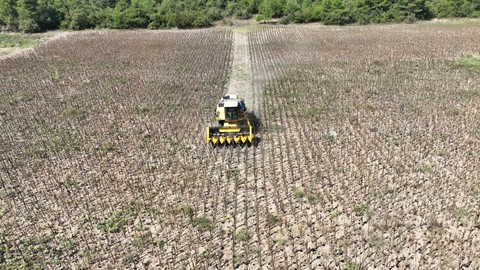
(8, 15)
(118, 14)
(139, 13)
(290, 11)
(28, 16)
(202, 19)
(49, 14)
(183, 19)
(132, 14)
(81, 18)
(291, 7)
(310, 12)
(335, 12)
(361, 11)
(272, 8)
(163, 16)
(418, 8)
(455, 8)
(241, 9)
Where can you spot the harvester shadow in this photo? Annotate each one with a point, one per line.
(255, 121)
(257, 127)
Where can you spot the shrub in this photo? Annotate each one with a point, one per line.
(28, 26)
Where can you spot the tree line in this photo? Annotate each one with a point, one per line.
(40, 15)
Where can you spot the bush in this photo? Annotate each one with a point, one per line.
(202, 20)
(410, 19)
(454, 8)
(337, 17)
(260, 18)
(285, 20)
(183, 19)
(28, 26)
(80, 20)
(162, 18)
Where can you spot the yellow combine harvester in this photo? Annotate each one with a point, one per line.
(233, 123)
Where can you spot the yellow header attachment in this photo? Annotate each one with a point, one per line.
(230, 135)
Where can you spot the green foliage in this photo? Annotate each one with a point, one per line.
(80, 18)
(242, 235)
(162, 16)
(240, 9)
(272, 8)
(16, 40)
(75, 112)
(203, 223)
(352, 266)
(182, 15)
(49, 14)
(298, 193)
(132, 14)
(8, 14)
(27, 16)
(272, 219)
(469, 61)
(107, 147)
(335, 214)
(335, 12)
(28, 26)
(455, 8)
(362, 207)
(312, 197)
(40, 15)
(115, 222)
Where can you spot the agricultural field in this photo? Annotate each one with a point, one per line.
(366, 153)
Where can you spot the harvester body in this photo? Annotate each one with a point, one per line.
(233, 124)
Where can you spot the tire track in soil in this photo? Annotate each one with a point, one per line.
(240, 169)
(229, 176)
(240, 83)
(248, 175)
(241, 76)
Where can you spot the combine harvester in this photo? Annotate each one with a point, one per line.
(233, 124)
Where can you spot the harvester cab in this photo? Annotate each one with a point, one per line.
(233, 123)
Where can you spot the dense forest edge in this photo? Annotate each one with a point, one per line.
(31, 16)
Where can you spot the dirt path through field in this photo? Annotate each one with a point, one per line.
(241, 77)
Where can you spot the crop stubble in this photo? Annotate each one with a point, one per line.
(368, 151)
